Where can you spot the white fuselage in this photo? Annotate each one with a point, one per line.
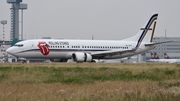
(87, 50)
(165, 60)
(60, 49)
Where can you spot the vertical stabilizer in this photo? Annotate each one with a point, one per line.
(146, 32)
(152, 55)
(166, 56)
(156, 56)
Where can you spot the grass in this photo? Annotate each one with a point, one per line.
(89, 82)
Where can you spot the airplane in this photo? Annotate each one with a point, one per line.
(87, 50)
(166, 56)
(166, 59)
(154, 56)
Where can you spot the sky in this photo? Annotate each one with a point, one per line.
(103, 19)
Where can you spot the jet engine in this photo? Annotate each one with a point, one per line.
(81, 57)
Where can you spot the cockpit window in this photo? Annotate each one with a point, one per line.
(18, 45)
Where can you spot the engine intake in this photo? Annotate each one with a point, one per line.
(81, 57)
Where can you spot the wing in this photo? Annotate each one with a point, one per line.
(120, 52)
(109, 53)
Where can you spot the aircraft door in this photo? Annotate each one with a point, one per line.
(32, 45)
(27, 46)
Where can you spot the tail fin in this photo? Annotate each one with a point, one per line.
(166, 56)
(152, 55)
(156, 56)
(146, 33)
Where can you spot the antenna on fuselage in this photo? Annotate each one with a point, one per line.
(92, 37)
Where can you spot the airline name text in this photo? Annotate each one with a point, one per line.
(58, 43)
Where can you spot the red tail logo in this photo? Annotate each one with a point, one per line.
(44, 48)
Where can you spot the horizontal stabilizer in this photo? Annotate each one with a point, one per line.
(157, 43)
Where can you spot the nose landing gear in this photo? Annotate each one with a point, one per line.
(21, 60)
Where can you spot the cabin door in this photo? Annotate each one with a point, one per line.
(32, 45)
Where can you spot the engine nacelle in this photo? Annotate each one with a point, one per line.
(81, 57)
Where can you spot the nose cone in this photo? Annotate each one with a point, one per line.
(10, 51)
